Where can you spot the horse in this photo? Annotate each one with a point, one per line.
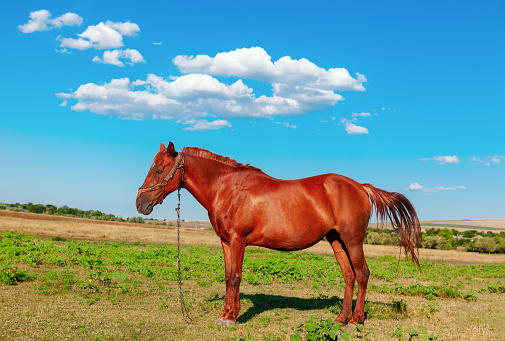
(248, 207)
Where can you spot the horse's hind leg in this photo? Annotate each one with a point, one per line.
(343, 260)
(357, 257)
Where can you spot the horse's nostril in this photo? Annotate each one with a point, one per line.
(139, 206)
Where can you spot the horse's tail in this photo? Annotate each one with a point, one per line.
(396, 208)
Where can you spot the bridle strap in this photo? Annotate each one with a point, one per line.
(179, 163)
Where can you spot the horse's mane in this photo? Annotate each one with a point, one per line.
(204, 153)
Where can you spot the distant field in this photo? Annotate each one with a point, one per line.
(463, 224)
(473, 224)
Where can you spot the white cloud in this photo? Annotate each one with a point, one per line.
(204, 125)
(496, 158)
(255, 63)
(442, 188)
(108, 35)
(442, 159)
(474, 159)
(415, 186)
(298, 86)
(112, 57)
(125, 28)
(185, 98)
(362, 114)
(195, 96)
(353, 129)
(492, 159)
(286, 124)
(41, 21)
(446, 159)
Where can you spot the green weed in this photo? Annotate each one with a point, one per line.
(13, 276)
(317, 329)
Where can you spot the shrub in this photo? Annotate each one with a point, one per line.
(485, 244)
(139, 220)
(469, 233)
(430, 242)
(447, 234)
(500, 245)
(385, 238)
(373, 238)
(444, 244)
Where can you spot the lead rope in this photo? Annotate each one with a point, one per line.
(184, 309)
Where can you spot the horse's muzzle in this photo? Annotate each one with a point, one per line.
(144, 206)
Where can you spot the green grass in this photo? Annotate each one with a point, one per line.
(116, 274)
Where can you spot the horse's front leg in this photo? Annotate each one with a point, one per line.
(233, 259)
(227, 269)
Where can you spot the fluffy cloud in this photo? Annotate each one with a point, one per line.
(41, 21)
(112, 57)
(298, 87)
(353, 129)
(108, 35)
(184, 98)
(255, 63)
(415, 186)
(443, 159)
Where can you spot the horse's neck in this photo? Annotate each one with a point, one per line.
(202, 177)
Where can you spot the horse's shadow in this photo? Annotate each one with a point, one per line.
(263, 302)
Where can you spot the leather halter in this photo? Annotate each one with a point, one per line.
(179, 163)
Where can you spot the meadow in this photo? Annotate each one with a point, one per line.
(56, 286)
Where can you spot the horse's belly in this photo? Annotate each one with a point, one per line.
(287, 238)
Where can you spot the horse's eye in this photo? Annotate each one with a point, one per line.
(159, 171)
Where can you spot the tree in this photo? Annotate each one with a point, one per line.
(485, 244)
(430, 242)
(469, 233)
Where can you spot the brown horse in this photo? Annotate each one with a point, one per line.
(248, 207)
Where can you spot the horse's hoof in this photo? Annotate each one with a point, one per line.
(342, 324)
(350, 327)
(226, 323)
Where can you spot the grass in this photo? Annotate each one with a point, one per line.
(128, 290)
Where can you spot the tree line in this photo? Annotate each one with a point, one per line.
(69, 212)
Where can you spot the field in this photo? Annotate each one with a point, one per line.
(494, 225)
(74, 279)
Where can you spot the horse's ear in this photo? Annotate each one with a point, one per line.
(171, 149)
(162, 146)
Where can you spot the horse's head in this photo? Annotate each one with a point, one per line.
(165, 176)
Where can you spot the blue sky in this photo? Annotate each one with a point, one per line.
(407, 96)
